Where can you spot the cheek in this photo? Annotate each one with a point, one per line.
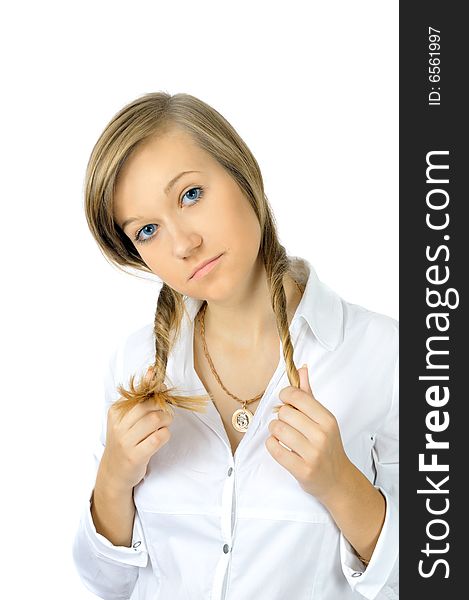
(236, 225)
(158, 258)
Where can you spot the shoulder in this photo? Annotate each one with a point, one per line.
(371, 340)
(135, 352)
(139, 338)
(372, 326)
(371, 347)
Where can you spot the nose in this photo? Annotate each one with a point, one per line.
(184, 241)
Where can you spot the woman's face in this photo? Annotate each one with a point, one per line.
(202, 215)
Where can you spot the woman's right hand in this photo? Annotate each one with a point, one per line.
(131, 442)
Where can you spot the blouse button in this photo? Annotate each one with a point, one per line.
(226, 548)
(136, 545)
(357, 574)
(230, 470)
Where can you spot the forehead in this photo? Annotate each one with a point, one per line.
(153, 163)
(162, 153)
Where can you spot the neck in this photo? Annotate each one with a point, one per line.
(247, 320)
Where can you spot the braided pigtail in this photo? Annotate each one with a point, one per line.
(277, 265)
(167, 324)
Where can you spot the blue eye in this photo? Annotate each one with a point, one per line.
(139, 240)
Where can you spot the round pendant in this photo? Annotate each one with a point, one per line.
(241, 419)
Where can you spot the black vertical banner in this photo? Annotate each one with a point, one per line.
(434, 253)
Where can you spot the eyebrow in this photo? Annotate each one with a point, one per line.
(167, 189)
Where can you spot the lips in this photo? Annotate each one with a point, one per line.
(203, 264)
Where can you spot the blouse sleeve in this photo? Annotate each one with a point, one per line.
(108, 571)
(381, 576)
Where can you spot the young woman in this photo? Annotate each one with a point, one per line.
(223, 470)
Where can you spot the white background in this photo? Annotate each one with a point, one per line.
(312, 87)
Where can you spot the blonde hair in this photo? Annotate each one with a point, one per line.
(150, 115)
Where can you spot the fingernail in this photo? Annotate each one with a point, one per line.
(304, 365)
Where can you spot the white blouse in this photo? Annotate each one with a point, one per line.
(213, 526)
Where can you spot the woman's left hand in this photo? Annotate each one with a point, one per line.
(318, 460)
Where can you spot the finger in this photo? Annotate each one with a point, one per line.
(296, 441)
(150, 422)
(306, 403)
(304, 379)
(290, 460)
(298, 420)
(153, 442)
(149, 373)
(140, 409)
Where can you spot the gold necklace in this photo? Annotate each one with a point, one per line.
(241, 417)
